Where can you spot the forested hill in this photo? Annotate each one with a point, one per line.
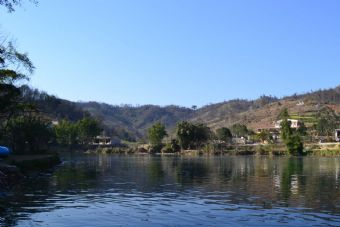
(253, 113)
(131, 122)
(52, 106)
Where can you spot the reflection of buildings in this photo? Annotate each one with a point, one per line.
(277, 181)
(294, 184)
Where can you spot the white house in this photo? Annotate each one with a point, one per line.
(293, 123)
(105, 140)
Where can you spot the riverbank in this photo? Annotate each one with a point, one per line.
(313, 149)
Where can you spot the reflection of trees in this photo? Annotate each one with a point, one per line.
(75, 176)
(11, 206)
(310, 182)
(191, 171)
(36, 192)
(322, 185)
(290, 175)
(155, 170)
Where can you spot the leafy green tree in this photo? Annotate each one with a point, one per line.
(185, 134)
(192, 135)
(80, 132)
(202, 134)
(325, 126)
(224, 134)
(239, 130)
(14, 67)
(286, 130)
(327, 121)
(28, 133)
(88, 128)
(292, 139)
(302, 130)
(294, 144)
(156, 134)
(66, 132)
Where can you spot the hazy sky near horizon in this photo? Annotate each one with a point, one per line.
(185, 52)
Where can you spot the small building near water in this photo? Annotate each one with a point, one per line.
(239, 140)
(337, 135)
(105, 140)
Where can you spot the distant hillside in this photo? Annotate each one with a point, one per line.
(229, 112)
(52, 106)
(131, 122)
(262, 112)
(259, 113)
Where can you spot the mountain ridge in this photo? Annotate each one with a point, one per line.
(131, 122)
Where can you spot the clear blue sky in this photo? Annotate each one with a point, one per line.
(185, 52)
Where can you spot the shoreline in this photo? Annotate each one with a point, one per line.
(313, 149)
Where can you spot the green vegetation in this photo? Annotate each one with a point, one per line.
(264, 136)
(156, 134)
(239, 130)
(29, 133)
(66, 132)
(327, 121)
(80, 132)
(171, 147)
(192, 136)
(88, 128)
(291, 138)
(10, 95)
(131, 123)
(283, 114)
(224, 134)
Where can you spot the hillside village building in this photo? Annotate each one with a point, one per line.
(293, 123)
(275, 129)
(105, 140)
(277, 126)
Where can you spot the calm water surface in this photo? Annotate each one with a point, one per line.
(113, 190)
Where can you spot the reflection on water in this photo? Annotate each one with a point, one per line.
(109, 190)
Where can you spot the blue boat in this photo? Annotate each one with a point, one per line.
(4, 151)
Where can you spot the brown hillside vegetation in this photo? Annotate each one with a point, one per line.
(262, 112)
(262, 117)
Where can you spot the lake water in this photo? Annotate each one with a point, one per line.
(113, 190)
